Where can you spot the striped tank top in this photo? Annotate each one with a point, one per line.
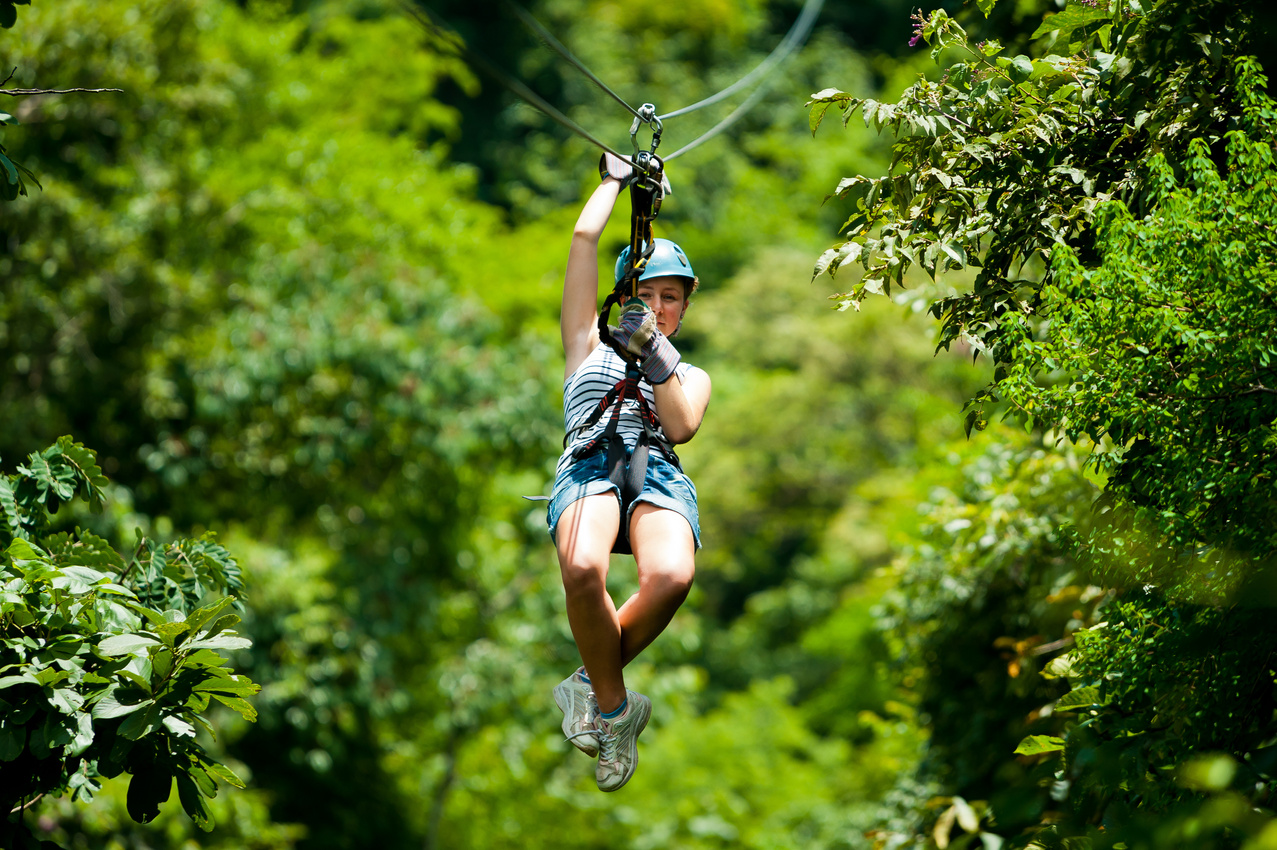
(585, 388)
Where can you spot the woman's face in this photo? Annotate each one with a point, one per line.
(664, 296)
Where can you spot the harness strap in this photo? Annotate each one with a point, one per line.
(627, 470)
(614, 400)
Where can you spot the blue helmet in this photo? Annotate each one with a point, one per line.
(667, 259)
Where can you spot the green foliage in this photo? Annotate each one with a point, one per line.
(1168, 733)
(1140, 331)
(13, 175)
(986, 593)
(108, 666)
(1003, 157)
(1184, 299)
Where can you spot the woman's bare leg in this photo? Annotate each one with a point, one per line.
(584, 536)
(665, 552)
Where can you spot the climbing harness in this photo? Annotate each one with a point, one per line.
(626, 469)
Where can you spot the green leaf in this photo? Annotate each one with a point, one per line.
(20, 679)
(85, 549)
(223, 773)
(85, 462)
(236, 685)
(986, 6)
(84, 734)
(828, 95)
(11, 172)
(9, 507)
(244, 708)
(65, 700)
(194, 803)
(1038, 744)
(1021, 68)
(151, 785)
(162, 664)
(1076, 15)
(117, 645)
(78, 580)
(109, 706)
(823, 261)
(223, 641)
(204, 658)
(1078, 698)
(202, 779)
(168, 632)
(13, 738)
(21, 550)
(200, 616)
(141, 723)
(817, 116)
(956, 252)
(179, 727)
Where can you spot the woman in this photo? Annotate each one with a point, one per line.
(600, 716)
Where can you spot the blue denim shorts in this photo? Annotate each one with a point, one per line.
(664, 486)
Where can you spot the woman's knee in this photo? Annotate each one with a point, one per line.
(583, 576)
(671, 578)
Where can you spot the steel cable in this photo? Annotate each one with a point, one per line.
(796, 36)
(722, 125)
(535, 25)
(436, 28)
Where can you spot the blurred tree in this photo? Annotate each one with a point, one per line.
(243, 319)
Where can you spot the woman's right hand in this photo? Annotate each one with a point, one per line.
(618, 168)
(637, 333)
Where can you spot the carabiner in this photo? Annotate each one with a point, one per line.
(646, 115)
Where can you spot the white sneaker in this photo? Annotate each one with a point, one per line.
(575, 699)
(618, 742)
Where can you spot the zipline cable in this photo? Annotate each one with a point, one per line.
(796, 36)
(436, 28)
(731, 119)
(554, 44)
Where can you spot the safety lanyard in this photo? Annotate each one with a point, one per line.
(646, 194)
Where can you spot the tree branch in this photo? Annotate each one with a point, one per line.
(28, 804)
(21, 92)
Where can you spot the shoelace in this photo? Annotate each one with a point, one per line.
(608, 742)
(576, 735)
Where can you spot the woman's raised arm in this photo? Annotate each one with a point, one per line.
(578, 320)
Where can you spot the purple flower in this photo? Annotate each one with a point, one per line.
(918, 22)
